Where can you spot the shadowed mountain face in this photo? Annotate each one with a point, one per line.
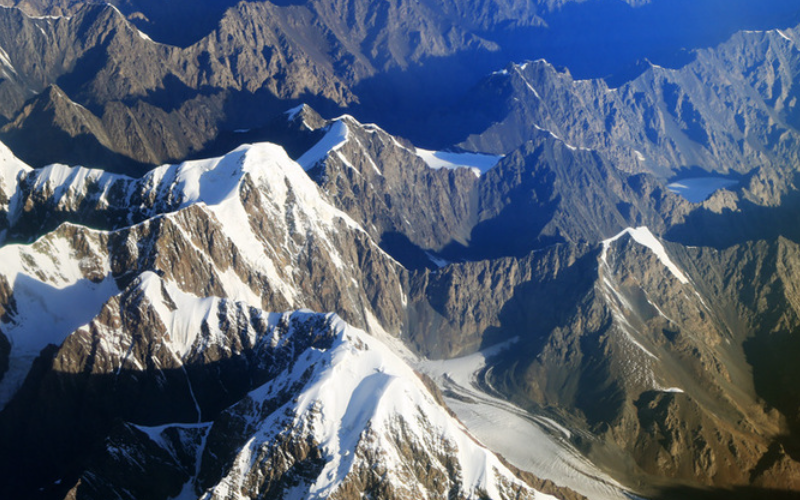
(606, 38)
(228, 66)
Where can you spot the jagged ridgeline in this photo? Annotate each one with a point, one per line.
(129, 85)
(144, 345)
(219, 280)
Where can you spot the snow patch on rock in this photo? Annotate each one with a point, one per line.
(644, 237)
(480, 163)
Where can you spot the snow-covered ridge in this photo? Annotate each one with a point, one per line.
(337, 134)
(51, 18)
(562, 140)
(212, 182)
(12, 170)
(287, 193)
(360, 402)
(521, 66)
(780, 33)
(479, 163)
(335, 137)
(644, 237)
(61, 280)
(52, 298)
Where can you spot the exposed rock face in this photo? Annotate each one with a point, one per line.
(731, 109)
(549, 191)
(170, 102)
(386, 186)
(131, 306)
(462, 307)
(327, 412)
(52, 118)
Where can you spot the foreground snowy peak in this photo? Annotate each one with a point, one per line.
(249, 226)
(71, 192)
(331, 411)
(367, 425)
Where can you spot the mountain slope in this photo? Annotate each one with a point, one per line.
(634, 249)
(642, 348)
(250, 225)
(623, 341)
(333, 411)
(728, 110)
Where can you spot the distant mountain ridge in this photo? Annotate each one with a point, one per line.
(257, 59)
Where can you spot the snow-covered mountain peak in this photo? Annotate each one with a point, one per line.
(249, 226)
(643, 236)
(10, 166)
(272, 168)
(336, 135)
(376, 425)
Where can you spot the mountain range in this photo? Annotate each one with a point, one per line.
(319, 249)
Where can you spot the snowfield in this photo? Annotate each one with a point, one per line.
(478, 162)
(534, 443)
(699, 189)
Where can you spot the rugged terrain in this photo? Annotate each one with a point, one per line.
(159, 81)
(298, 303)
(159, 321)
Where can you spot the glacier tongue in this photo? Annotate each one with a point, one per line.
(534, 443)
